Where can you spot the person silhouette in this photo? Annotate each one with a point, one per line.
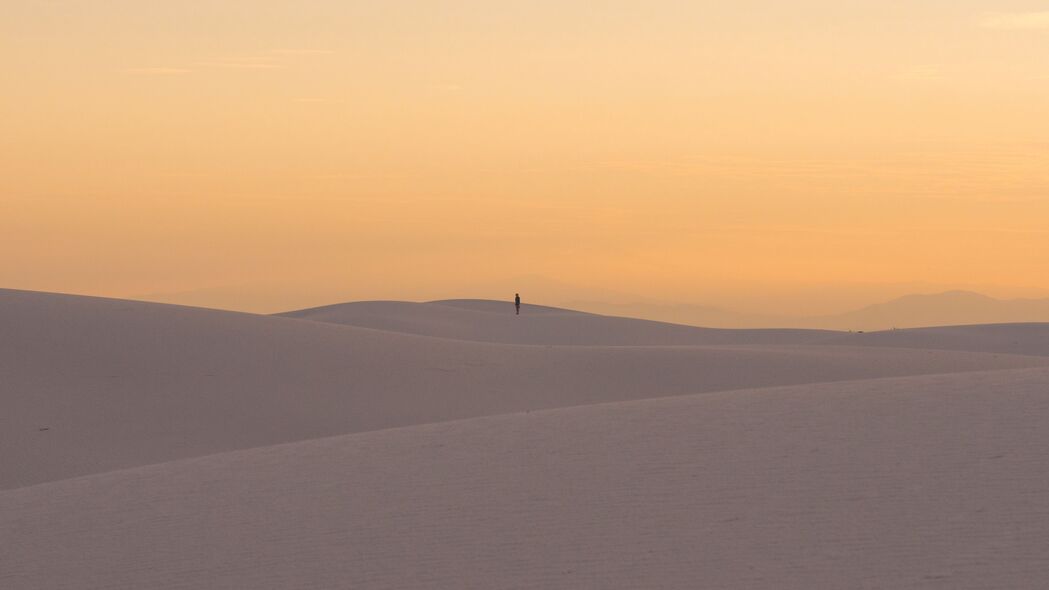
(517, 302)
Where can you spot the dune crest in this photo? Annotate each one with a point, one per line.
(488, 321)
(118, 384)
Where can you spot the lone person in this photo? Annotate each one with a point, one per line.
(517, 302)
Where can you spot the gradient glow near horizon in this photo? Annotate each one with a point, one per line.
(681, 151)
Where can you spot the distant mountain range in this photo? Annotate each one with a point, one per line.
(910, 311)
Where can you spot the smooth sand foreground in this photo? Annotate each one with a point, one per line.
(148, 445)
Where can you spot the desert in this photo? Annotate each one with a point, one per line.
(150, 445)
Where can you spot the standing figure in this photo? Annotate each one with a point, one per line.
(517, 302)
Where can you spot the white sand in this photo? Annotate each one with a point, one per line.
(1028, 338)
(492, 321)
(904, 468)
(495, 321)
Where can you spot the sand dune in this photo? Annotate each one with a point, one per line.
(489, 321)
(453, 445)
(910, 311)
(494, 321)
(1032, 339)
(917, 482)
(119, 384)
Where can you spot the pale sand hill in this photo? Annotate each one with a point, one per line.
(916, 482)
(494, 321)
(879, 464)
(1030, 339)
(119, 384)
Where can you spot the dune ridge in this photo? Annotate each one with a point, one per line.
(494, 321)
(118, 384)
(488, 321)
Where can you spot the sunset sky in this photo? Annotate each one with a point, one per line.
(273, 154)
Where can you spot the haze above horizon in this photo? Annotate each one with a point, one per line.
(808, 158)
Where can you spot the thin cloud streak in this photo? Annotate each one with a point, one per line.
(157, 71)
(1017, 21)
(302, 51)
(241, 65)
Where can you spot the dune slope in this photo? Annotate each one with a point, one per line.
(1032, 339)
(916, 482)
(495, 321)
(91, 385)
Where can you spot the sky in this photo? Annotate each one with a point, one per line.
(799, 157)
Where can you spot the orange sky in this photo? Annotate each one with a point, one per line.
(277, 153)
